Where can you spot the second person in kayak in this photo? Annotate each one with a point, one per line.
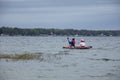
(73, 42)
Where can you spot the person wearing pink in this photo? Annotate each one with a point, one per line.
(73, 42)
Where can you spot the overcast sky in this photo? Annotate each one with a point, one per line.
(75, 14)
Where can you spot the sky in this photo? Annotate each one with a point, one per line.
(61, 14)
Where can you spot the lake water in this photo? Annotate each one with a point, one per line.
(102, 62)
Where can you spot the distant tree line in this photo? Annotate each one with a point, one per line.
(10, 31)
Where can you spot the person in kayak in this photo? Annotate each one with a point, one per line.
(72, 42)
(82, 43)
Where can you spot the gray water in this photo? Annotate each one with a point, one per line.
(102, 62)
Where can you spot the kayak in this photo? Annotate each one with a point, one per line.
(77, 47)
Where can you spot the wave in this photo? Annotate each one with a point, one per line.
(104, 59)
(34, 56)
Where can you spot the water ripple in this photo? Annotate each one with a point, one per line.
(104, 59)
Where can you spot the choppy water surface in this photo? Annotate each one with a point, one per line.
(102, 62)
